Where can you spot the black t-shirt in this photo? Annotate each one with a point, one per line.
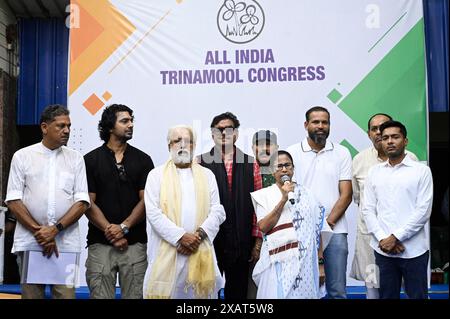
(117, 189)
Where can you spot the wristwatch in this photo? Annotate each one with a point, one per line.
(321, 261)
(125, 229)
(202, 233)
(59, 227)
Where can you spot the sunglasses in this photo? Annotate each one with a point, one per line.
(221, 130)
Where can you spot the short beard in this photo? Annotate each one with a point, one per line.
(125, 139)
(181, 157)
(396, 154)
(318, 139)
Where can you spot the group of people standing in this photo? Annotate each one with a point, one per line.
(268, 226)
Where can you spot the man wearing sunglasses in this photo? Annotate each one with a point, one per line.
(237, 176)
(265, 148)
(117, 238)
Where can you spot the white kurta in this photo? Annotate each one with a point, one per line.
(161, 228)
(295, 275)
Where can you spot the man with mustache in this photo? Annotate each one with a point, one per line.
(363, 266)
(183, 208)
(325, 168)
(117, 237)
(398, 199)
(47, 192)
(265, 149)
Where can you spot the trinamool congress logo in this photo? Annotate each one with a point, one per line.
(240, 21)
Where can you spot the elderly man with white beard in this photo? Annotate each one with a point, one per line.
(184, 211)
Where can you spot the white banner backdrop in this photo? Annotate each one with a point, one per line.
(183, 62)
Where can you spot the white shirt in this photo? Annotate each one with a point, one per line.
(48, 182)
(321, 172)
(162, 228)
(362, 162)
(398, 201)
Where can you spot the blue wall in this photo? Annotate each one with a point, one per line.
(436, 41)
(44, 46)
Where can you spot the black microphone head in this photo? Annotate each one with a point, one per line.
(285, 178)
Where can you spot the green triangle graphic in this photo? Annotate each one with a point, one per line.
(396, 86)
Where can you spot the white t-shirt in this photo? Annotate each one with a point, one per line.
(48, 182)
(321, 172)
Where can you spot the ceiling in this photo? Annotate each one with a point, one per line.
(38, 8)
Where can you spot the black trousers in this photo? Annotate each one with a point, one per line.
(413, 271)
(236, 279)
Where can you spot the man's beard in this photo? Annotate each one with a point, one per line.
(126, 138)
(181, 156)
(319, 139)
(395, 154)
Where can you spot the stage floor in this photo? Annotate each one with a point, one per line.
(353, 292)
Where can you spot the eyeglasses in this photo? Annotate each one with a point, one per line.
(286, 165)
(220, 130)
(122, 173)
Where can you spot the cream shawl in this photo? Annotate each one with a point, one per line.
(201, 274)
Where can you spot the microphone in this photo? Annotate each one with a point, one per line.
(287, 180)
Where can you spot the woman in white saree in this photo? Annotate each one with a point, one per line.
(291, 260)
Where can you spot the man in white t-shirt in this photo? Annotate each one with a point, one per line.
(47, 192)
(325, 168)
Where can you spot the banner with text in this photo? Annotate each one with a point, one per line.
(185, 61)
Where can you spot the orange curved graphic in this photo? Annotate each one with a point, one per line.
(102, 30)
